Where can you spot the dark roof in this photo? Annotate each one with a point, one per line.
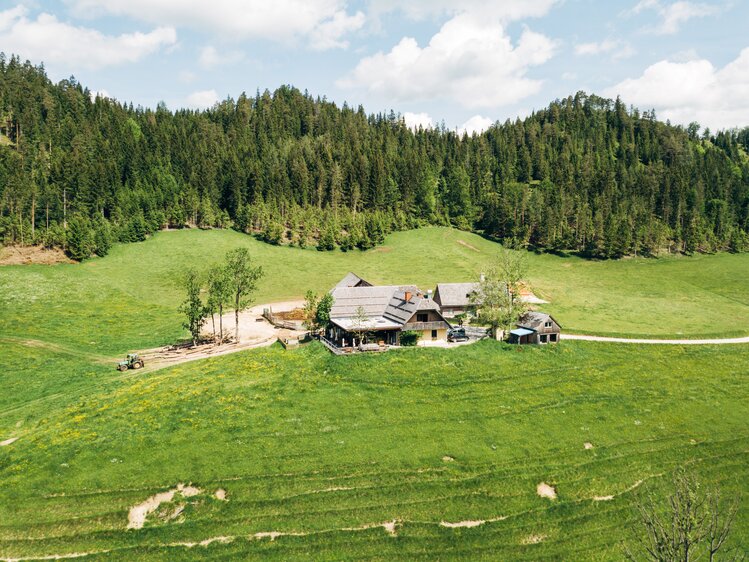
(535, 320)
(352, 280)
(385, 306)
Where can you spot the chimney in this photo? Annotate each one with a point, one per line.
(429, 294)
(407, 296)
(482, 277)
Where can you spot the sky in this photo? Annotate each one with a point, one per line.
(466, 64)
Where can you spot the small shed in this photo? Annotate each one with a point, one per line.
(536, 328)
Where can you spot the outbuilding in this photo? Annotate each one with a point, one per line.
(456, 298)
(536, 328)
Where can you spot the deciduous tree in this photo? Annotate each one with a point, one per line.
(192, 307)
(242, 278)
(498, 295)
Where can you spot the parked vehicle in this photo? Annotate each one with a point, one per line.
(457, 334)
(133, 361)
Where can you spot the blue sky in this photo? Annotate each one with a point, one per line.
(466, 63)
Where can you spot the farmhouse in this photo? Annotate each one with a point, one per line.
(455, 298)
(380, 314)
(536, 327)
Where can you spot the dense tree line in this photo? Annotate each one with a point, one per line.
(586, 174)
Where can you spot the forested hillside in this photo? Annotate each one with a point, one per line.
(586, 174)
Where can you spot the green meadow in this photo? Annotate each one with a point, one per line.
(362, 457)
(128, 299)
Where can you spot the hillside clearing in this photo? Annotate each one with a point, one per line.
(129, 299)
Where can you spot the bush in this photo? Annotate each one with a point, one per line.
(409, 338)
(273, 233)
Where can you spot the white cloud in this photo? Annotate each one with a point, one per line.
(470, 60)
(54, 42)
(692, 91)
(674, 14)
(329, 34)
(99, 94)
(210, 58)
(202, 99)
(476, 124)
(616, 48)
(416, 120)
(322, 22)
(505, 10)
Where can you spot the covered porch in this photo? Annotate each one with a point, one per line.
(343, 338)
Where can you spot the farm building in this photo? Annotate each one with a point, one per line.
(380, 314)
(455, 298)
(536, 327)
(352, 280)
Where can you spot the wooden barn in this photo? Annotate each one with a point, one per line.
(536, 328)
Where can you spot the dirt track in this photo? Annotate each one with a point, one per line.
(254, 331)
(723, 341)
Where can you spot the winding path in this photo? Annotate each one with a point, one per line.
(723, 341)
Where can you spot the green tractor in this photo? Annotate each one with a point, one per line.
(133, 361)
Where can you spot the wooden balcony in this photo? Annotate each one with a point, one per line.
(421, 326)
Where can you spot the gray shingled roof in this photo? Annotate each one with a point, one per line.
(455, 294)
(428, 304)
(385, 306)
(352, 280)
(534, 320)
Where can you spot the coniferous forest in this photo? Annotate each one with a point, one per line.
(586, 174)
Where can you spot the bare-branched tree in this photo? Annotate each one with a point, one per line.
(693, 524)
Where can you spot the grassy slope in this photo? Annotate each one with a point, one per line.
(304, 442)
(259, 415)
(132, 295)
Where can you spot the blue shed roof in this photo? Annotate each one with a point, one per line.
(520, 332)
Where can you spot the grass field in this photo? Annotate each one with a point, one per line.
(304, 442)
(329, 449)
(128, 299)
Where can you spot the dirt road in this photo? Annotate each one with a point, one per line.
(254, 331)
(723, 341)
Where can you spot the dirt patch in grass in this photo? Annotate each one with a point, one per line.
(588, 445)
(32, 255)
(533, 539)
(382, 250)
(8, 441)
(546, 491)
(470, 523)
(448, 458)
(462, 524)
(220, 494)
(136, 518)
(469, 246)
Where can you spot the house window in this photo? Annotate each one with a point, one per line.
(422, 317)
(553, 338)
(543, 338)
(434, 334)
(548, 325)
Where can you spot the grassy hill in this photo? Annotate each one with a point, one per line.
(331, 448)
(128, 299)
